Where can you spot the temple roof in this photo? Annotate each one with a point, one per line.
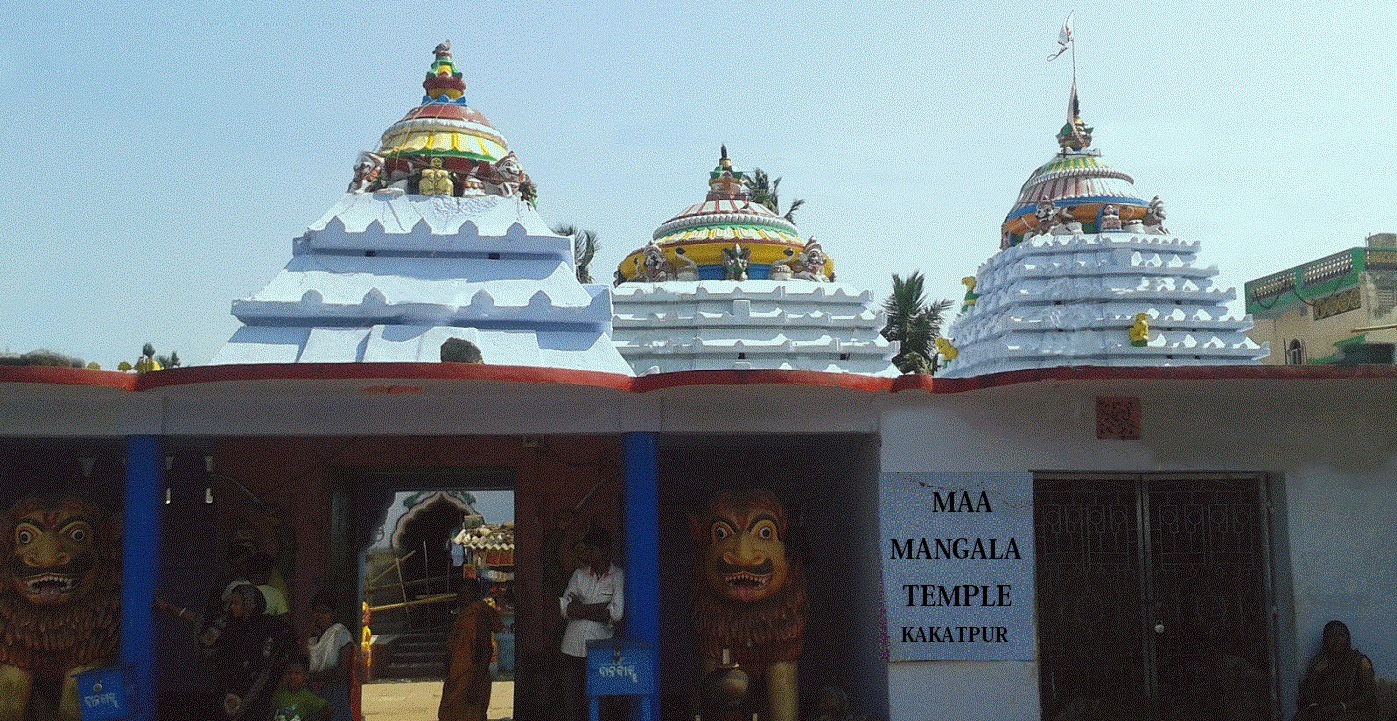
(436, 247)
(1087, 275)
(1076, 180)
(704, 237)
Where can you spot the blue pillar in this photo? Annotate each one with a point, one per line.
(140, 562)
(641, 504)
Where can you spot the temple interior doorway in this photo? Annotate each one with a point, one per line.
(1152, 595)
(427, 544)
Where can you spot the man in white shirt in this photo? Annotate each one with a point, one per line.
(592, 605)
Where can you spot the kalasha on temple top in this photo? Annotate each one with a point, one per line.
(1087, 275)
(436, 252)
(729, 284)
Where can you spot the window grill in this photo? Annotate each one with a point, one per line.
(1326, 269)
(1273, 285)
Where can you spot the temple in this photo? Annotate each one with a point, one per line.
(1087, 275)
(1113, 539)
(729, 284)
(436, 240)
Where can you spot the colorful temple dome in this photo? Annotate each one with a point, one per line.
(443, 146)
(728, 284)
(1075, 183)
(707, 238)
(1087, 275)
(436, 252)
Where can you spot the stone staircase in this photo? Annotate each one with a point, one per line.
(417, 654)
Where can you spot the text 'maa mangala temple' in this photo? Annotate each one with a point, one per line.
(1102, 506)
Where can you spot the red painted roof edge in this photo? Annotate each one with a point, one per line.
(1088, 373)
(68, 377)
(678, 379)
(380, 372)
(194, 375)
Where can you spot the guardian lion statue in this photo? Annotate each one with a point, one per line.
(60, 591)
(750, 595)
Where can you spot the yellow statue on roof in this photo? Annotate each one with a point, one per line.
(1140, 330)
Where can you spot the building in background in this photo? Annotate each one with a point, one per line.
(1338, 309)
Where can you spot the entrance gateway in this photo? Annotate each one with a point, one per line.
(1152, 596)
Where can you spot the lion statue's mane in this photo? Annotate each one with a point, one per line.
(760, 632)
(48, 641)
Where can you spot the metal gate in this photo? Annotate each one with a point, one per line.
(1152, 596)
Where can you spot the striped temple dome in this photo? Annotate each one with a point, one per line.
(727, 217)
(1075, 179)
(443, 126)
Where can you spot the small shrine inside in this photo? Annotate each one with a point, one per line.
(436, 252)
(1087, 275)
(729, 284)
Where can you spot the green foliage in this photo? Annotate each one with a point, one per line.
(148, 351)
(584, 248)
(168, 361)
(913, 323)
(41, 357)
(123, 366)
(761, 189)
(94, 366)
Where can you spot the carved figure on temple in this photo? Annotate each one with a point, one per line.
(442, 50)
(970, 295)
(1046, 218)
(944, 347)
(1065, 222)
(60, 591)
(1140, 330)
(1154, 216)
(507, 177)
(688, 270)
(1339, 683)
(750, 595)
(435, 180)
(735, 261)
(1110, 218)
(652, 266)
(781, 269)
(368, 169)
(810, 263)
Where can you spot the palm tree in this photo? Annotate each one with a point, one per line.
(913, 323)
(765, 191)
(584, 247)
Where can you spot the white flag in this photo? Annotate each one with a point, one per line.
(1064, 38)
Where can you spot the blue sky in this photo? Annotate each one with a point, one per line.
(161, 157)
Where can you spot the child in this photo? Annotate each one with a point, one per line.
(293, 701)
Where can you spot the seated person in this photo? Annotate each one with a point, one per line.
(1339, 683)
(292, 700)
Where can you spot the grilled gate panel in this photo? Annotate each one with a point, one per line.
(1107, 650)
(1208, 563)
(1090, 648)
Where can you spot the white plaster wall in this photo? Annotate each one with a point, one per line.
(1330, 445)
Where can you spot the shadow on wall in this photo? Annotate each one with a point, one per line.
(828, 486)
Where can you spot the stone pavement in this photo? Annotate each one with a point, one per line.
(417, 700)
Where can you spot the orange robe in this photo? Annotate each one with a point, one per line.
(465, 695)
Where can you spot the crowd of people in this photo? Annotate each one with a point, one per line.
(263, 669)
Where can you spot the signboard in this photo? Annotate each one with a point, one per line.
(958, 566)
(102, 694)
(620, 667)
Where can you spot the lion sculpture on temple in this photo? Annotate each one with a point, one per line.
(60, 590)
(750, 595)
